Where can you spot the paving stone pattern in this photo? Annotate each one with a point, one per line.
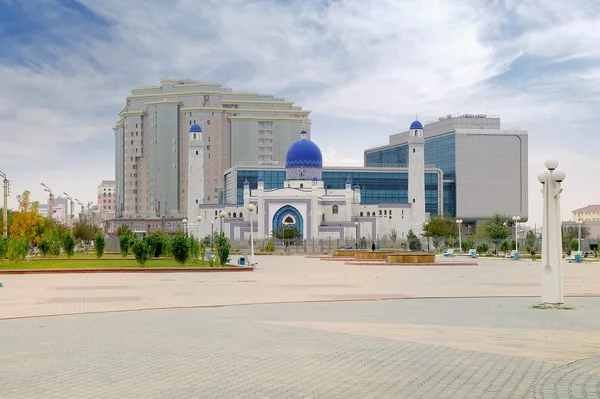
(220, 353)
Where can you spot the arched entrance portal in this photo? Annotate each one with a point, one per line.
(289, 216)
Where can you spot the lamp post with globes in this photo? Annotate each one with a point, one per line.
(222, 214)
(184, 221)
(199, 219)
(212, 234)
(516, 220)
(552, 277)
(579, 222)
(251, 209)
(459, 222)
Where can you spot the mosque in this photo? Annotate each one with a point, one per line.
(304, 201)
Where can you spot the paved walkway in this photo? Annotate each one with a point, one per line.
(456, 344)
(278, 279)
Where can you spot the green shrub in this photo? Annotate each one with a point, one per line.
(574, 244)
(141, 251)
(124, 243)
(211, 262)
(17, 250)
(44, 247)
(152, 240)
(505, 246)
(68, 244)
(482, 248)
(180, 246)
(414, 244)
(271, 245)
(202, 251)
(99, 244)
(466, 245)
(194, 247)
(4, 242)
(167, 245)
(53, 237)
(222, 248)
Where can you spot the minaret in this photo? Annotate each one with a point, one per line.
(348, 194)
(195, 186)
(416, 176)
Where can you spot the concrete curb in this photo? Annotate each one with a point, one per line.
(132, 270)
(362, 263)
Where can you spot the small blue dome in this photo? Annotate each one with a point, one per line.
(315, 178)
(348, 181)
(416, 125)
(246, 183)
(261, 179)
(304, 153)
(195, 128)
(302, 131)
(357, 187)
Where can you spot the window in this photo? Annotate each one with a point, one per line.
(194, 136)
(196, 152)
(234, 215)
(414, 150)
(361, 214)
(334, 209)
(385, 212)
(208, 147)
(380, 212)
(301, 185)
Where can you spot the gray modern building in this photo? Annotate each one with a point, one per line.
(151, 141)
(484, 167)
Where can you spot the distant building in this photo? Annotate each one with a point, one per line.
(151, 142)
(590, 213)
(106, 199)
(485, 167)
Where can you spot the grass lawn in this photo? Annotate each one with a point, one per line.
(97, 264)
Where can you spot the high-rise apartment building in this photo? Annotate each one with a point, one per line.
(106, 199)
(151, 141)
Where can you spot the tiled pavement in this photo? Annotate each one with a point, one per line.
(273, 351)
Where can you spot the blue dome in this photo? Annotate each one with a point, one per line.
(357, 187)
(304, 153)
(195, 128)
(315, 178)
(348, 181)
(261, 178)
(416, 125)
(302, 131)
(246, 183)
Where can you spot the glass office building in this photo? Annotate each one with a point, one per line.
(484, 167)
(378, 185)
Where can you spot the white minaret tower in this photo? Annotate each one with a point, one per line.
(195, 186)
(416, 176)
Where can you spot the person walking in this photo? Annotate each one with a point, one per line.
(373, 246)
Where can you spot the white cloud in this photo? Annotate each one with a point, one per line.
(378, 61)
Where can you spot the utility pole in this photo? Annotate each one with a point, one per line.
(50, 200)
(5, 206)
(72, 213)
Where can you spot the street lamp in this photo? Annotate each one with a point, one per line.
(459, 223)
(222, 214)
(5, 206)
(184, 221)
(251, 209)
(212, 234)
(72, 209)
(356, 226)
(579, 222)
(199, 219)
(81, 214)
(552, 277)
(50, 200)
(516, 220)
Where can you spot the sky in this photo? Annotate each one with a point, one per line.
(364, 67)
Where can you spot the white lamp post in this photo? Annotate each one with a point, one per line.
(222, 214)
(516, 220)
(212, 234)
(579, 222)
(251, 209)
(459, 223)
(184, 221)
(356, 227)
(199, 219)
(552, 278)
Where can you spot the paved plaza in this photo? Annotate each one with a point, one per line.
(354, 332)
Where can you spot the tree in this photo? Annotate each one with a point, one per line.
(574, 231)
(194, 247)
(99, 244)
(574, 244)
(482, 248)
(85, 231)
(44, 247)
(286, 233)
(3, 247)
(495, 229)
(222, 248)
(18, 248)
(141, 251)
(26, 223)
(438, 227)
(202, 250)
(126, 237)
(68, 244)
(530, 239)
(505, 246)
(394, 235)
(414, 244)
(181, 247)
(271, 245)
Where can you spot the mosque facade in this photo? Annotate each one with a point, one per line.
(304, 202)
